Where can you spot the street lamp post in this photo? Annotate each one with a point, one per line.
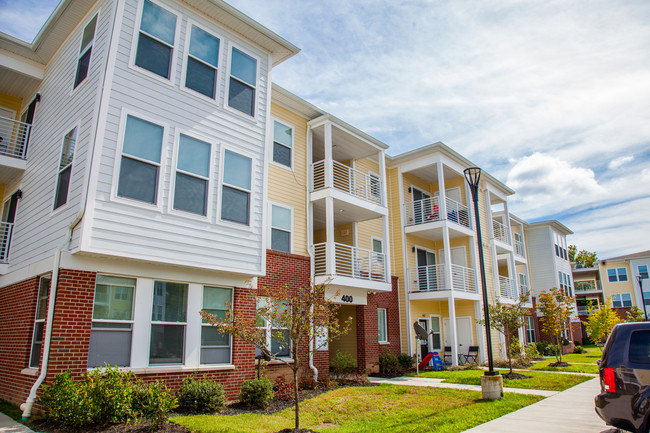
(640, 279)
(473, 175)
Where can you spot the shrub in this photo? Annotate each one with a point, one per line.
(531, 352)
(343, 363)
(109, 392)
(541, 347)
(256, 392)
(552, 350)
(65, 403)
(518, 362)
(200, 396)
(283, 390)
(405, 361)
(579, 349)
(389, 364)
(153, 402)
(308, 383)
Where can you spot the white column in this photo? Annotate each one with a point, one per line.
(442, 202)
(469, 202)
(512, 272)
(310, 162)
(329, 161)
(193, 327)
(507, 222)
(386, 247)
(453, 334)
(329, 233)
(384, 178)
(140, 341)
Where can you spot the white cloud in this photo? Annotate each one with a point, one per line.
(617, 162)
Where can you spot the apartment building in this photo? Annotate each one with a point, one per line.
(622, 281)
(549, 265)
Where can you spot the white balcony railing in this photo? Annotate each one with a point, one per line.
(585, 310)
(500, 232)
(351, 262)
(348, 180)
(428, 210)
(433, 278)
(13, 137)
(588, 286)
(519, 249)
(507, 288)
(5, 239)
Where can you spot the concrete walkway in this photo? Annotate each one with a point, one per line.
(8, 425)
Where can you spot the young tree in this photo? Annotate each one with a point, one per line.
(635, 315)
(556, 308)
(572, 252)
(302, 317)
(507, 319)
(584, 257)
(600, 322)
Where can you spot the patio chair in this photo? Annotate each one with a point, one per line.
(448, 355)
(472, 355)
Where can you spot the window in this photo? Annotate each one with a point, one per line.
(168, 320)
(280, 228)
(277, 337)
(530, 330)
(111, 329)
(83, 64)
(436, 340)
(557, 250)
(621, 300)
(202, 62)
(156, 39)
(640, 347)
(643, 271)
(215, 346)
(381, 325)
(282, 143)
(192, 175)
(616, 275)
(235, 197)
(39, 321)
(243, 79)
(65, 169)
(140, 165)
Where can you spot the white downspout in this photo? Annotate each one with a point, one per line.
(27, 406)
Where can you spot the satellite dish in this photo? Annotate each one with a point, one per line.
(420, 331)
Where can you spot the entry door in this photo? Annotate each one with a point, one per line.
(424, 344)
(463, 332)
(427, 277)
(421, 210)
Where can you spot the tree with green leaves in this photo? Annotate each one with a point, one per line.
(635, 314)
(507, 319)
(582, 257)
(556, 308)
(601, 321)
(299, 318)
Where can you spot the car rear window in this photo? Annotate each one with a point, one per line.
(640, 347)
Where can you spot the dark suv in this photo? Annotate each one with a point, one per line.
(624, 400)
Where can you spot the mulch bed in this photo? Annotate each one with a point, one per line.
(514, 375)
(559, 364)
(43, 426)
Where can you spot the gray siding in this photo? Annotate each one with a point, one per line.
(541, 259)
(154, 233)
(39, 230)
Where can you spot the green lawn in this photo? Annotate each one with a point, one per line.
(590, 357)
(385, 408)
(574, 368)
(547, 381)
(10, 410)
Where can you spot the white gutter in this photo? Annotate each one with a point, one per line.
(27, 406)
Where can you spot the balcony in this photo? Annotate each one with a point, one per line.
(500, 232)
(424, 218)
(348, 180)
(426, 282)
(520, 251)
(585, 310)
(5, 240)
(13, 146)
(507, 288)
(587, 286)
(350, 267)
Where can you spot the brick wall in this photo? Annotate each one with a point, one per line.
(17, 312)
(368, 347)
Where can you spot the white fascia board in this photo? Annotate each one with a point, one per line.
(14, 62)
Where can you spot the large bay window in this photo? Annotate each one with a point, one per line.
(112, 325)
(168, 322)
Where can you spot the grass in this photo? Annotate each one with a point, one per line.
(11, 411)
(546, 381)
(574, 368)
(385, 408)
(590, 357)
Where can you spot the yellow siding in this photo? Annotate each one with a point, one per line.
(346, 343)
(366, 230)
(287, 186)
(613, 288)
(11, 102)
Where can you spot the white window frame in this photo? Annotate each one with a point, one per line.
(230, 341)
(186, 55)
(617, 275)
(256, 88)
(118, 162)
(269, 330)
(84, 50)
(39, 321)
(210, 179)
(273, 142)
(431, 333)
(71, 165)
(640, 272)
(271, 228)
(221, 184)
(530, 330)
(184, 357)
(385, 326)
(136, 37)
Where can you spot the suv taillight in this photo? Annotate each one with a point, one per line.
(609, 379)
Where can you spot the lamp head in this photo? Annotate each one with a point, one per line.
(473, 175)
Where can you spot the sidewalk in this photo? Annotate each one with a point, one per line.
(8, 425)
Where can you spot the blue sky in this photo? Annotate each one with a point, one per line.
(551, 97)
